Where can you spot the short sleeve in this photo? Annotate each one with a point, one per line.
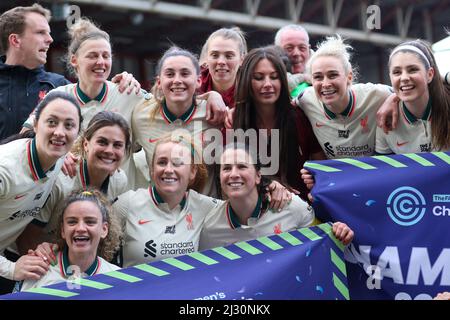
(381, 144)
(304, 212)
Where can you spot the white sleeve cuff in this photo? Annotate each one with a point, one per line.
(7, 268)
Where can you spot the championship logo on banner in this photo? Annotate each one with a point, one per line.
(399, 208)
(307, 263)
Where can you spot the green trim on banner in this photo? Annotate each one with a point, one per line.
(123, 276)
(328, 229)
(311, 235)
(178, 264)
(150, 269)
(357, 163)
(92, 284)
(202, 258)
(443, 156)
(269, 243)
(248, 248)
(342, 288)
(338, 262)
(391, 161)
(293, 241)
(320, 167)
(226, 253)
(422, 161)
(53, 292)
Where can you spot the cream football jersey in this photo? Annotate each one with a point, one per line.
(154, 232)
(24, 188)
(149, 130)
(351, 133)
(412, 135)
(222, 226)
(64, 271)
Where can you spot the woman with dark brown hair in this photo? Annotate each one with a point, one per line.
(263, 102)
(424, 102)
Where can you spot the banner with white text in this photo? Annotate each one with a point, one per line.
(307, 263)
(399, 209)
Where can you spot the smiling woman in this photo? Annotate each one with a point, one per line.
(88, 235)
(89, 58)
(245, 215)
(103, 146)
(424, 102)
(342, 114)
(222, 53)
(173, 106)
(165, 219)
(28, 171)
(263, 103)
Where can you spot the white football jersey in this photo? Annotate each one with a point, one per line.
(148, 131)
(63, 271)
(412, 135)
(24, 188)
(222, 226)
(154, 232)
(351, 133)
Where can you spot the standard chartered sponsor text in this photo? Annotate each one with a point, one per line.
(178, 248)
(354, 151)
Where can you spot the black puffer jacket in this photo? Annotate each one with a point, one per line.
(20, 91)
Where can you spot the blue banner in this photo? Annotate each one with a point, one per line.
(399, 208)
(307, 263)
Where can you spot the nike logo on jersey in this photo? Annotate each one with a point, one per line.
(143, 221)
(19, 196)
(319, 124)
(399, 144)
(152, 140)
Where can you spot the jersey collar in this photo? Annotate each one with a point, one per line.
(66, 269)
(348, 112)
(233, 220)
(33, 161)
(84, 177)
(83, 98)
(169, 117)
(157, 199)
(410, 118)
